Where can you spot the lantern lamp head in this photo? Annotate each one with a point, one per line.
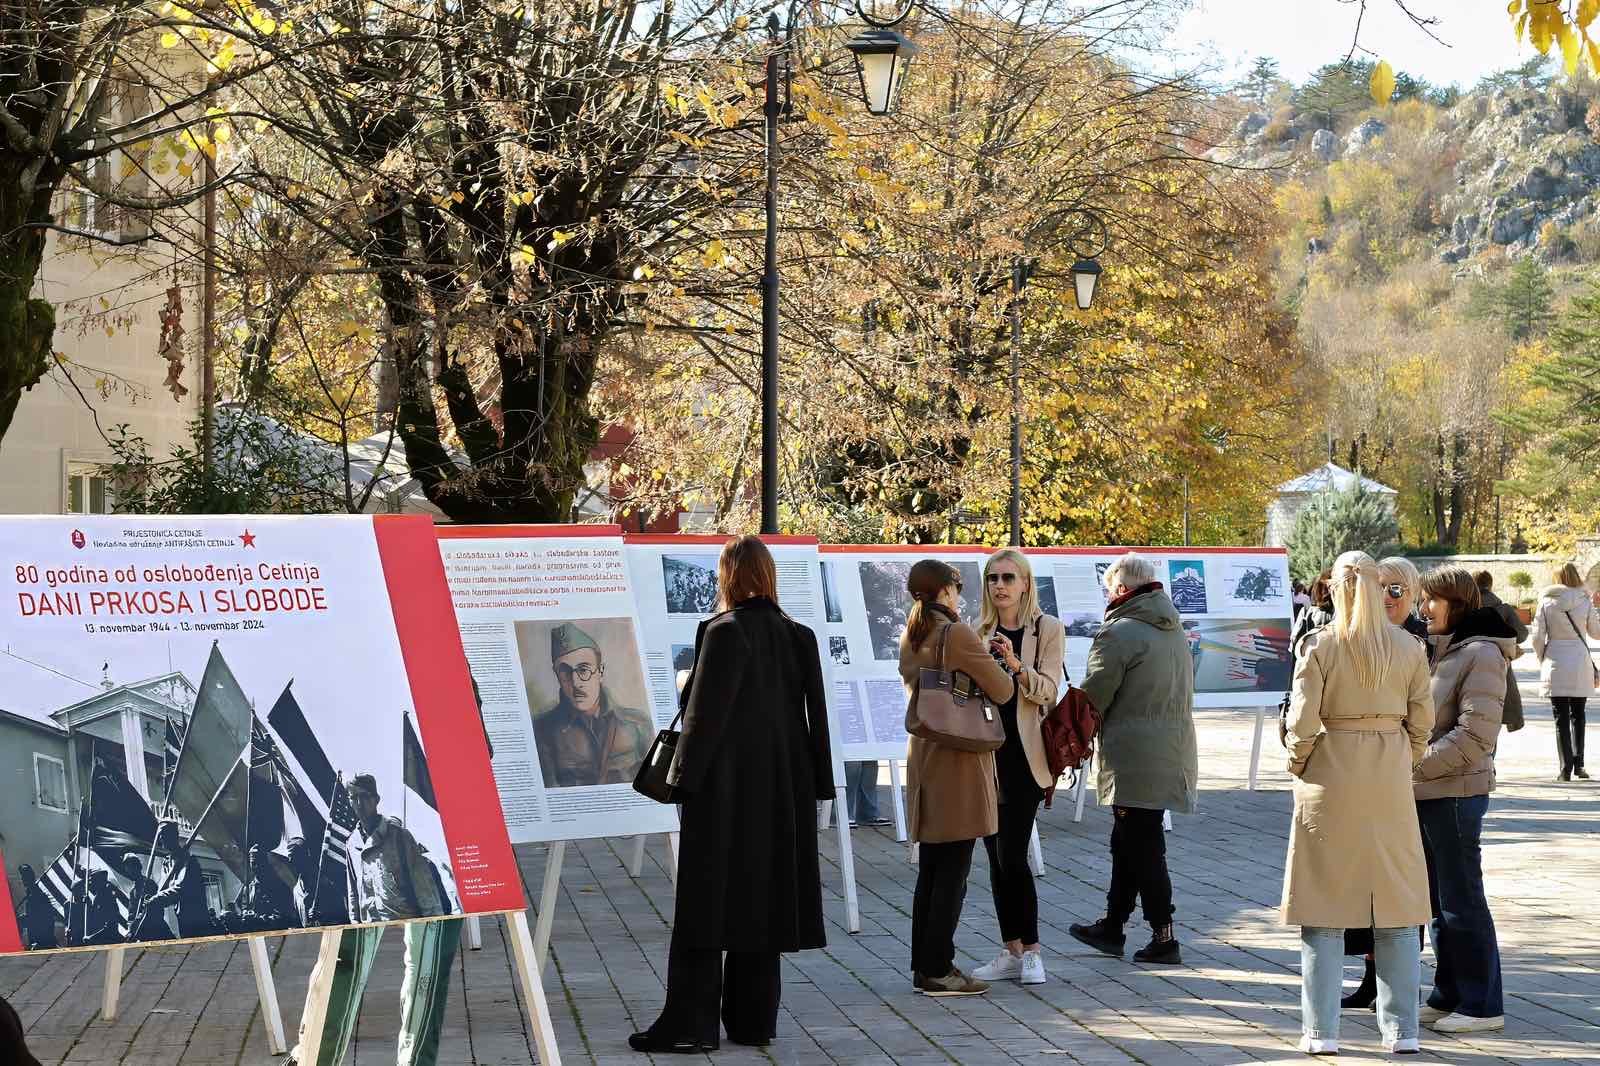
(882, 56)
(1085, 279)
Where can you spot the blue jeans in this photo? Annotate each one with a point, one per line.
(1398, 959)
(861, 790)
(1466, 952)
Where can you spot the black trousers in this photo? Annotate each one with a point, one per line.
(1016, 900)
(942, 871)
(1569, 715)
(745, 990)
(1139, 867)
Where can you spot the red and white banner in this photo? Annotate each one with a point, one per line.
(238, 724)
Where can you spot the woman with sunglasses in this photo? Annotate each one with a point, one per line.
(1029, 644)
(950, 793)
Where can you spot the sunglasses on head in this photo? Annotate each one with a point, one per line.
(998, 579)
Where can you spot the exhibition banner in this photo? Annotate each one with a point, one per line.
(675, 586)
(1236, 604)
(865, 606)
(232, 725)
(548, 620)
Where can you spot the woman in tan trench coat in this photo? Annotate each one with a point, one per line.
(950, 794)
(1359, 717)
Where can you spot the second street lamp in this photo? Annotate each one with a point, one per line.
(1086, 238)
(882, 56)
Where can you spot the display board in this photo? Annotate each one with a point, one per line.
(548, 620)
(865, 606)
(675, 587)
(1236, 605)
(237, 725)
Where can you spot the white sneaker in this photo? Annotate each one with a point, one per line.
(1403, 1047)
(1428, 1015)
(1033, 968)
(1318, 1047)
(1464, 1023)
(1005, 967)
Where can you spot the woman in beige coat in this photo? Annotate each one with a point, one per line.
(1359, 718)
(950, 794)
(1030, 644)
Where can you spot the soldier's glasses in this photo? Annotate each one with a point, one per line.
(582, 673)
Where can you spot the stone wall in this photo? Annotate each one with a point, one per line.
(1501, 567)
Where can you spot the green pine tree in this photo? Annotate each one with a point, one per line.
(1336, 522)
(1261, 80)
(1558, 470)
(1522, 304)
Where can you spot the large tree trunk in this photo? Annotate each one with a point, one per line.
(27, 324)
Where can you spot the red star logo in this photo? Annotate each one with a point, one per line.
(248, 538)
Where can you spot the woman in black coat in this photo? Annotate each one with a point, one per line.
(751, 765)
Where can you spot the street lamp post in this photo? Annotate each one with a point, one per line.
(1086, 238)
(882, 56)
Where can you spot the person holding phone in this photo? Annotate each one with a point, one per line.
(1029, 644)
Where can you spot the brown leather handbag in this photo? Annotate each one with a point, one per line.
(949, 708)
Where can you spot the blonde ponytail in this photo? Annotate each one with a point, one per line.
(1360, 624)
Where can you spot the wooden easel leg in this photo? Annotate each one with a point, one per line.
(267, 991)
(636, 856)
(473, 934)
(547, 904)
(897, 791)
(1083, 787)
(1035, 853)
(314, 1018)
(825, 814)
(544, 1034)
(113, 989)
(847, 870)
(1166, 821)
(1255, 746)
(672, 851)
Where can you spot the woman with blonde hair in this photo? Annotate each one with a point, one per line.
(1565, 618)
(1359, 717)
(1030, 645)
(950, 793)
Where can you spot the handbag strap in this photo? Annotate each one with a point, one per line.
(1038, 649)
(944, 638)
(1576, 632)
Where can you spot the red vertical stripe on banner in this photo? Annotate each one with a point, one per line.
(10, 934)
(441, 691)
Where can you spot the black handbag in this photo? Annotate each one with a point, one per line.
(651, 780)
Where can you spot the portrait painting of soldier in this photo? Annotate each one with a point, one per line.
(585, 688)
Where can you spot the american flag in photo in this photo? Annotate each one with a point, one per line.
(57, 883)
(341, 823)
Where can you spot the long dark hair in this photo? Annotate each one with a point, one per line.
(928, 578)
(744, 571)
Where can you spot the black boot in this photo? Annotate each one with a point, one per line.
(1564, 723)
(1578, 724)
(1163, 948)
(1105, 936)
(1365, 997)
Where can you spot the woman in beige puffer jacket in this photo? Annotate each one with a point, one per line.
(1565, 618)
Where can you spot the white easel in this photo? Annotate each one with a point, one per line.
(635, 863)
(315, 1017)
(898, 796)
(266, 990)
(1255, 746)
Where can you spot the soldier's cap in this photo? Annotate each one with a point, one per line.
(363, 783)
(132, 856)
(292, 841)
(567, 638)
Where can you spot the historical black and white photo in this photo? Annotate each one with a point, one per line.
(690, 583)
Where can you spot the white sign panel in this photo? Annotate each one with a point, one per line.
(675, 585)
(548, 620)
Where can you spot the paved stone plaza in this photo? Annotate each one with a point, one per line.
(1236, 1000)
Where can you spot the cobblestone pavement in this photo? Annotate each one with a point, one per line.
(1236, 1000)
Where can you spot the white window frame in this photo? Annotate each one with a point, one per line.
(38, 792)
(88, 470)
